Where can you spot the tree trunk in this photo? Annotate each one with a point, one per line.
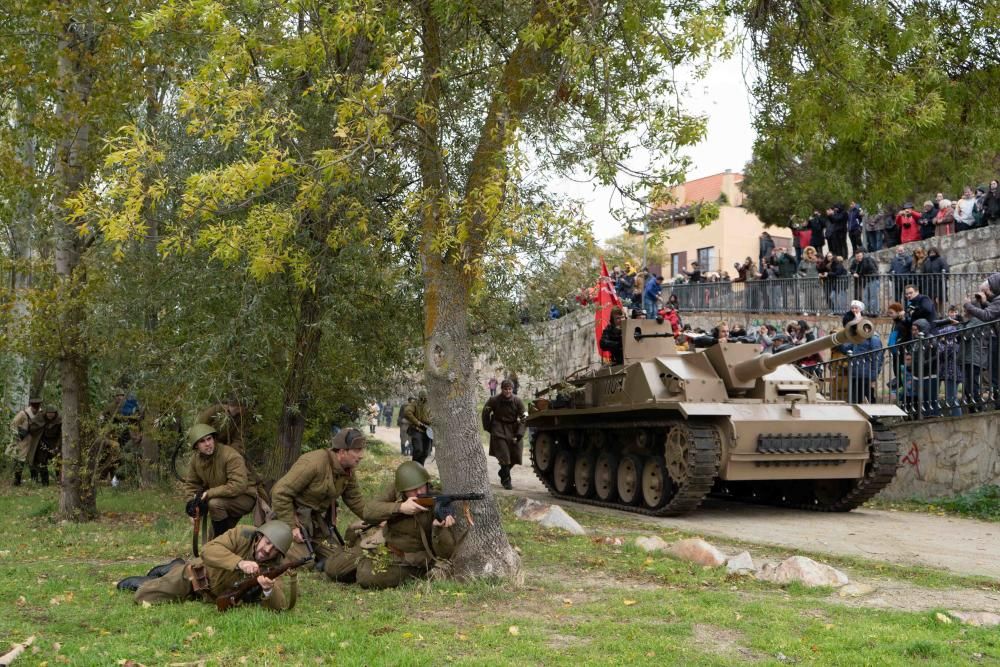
(77, 500)
(295, 402)
(452, 382)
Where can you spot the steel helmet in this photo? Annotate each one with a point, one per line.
(197, 432)
(349, 438)
(422, 395)
(411, 475)
(278, 533)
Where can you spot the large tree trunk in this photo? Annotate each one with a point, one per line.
(77, 500)
(295, 403)
(452, 382)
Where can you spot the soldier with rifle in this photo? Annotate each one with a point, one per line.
(418, 417)
(216, 482)
(503, 416)
(24, 439)
(49, 426)
(306, 498)
(417, 544)
(227, 562)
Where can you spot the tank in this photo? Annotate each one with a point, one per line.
(661, 431)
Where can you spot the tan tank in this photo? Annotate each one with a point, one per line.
(660, 432)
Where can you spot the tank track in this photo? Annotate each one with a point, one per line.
(708, 451)
(882, 464)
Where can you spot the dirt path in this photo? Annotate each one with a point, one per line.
(963, 546)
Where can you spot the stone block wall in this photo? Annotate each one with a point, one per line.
(971, 251)
(946, 457)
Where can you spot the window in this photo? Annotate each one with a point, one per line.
(707, 260)
(677, 262)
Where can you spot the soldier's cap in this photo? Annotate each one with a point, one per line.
(349, 438)
(50, 408)
(34, 400)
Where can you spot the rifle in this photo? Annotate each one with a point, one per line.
(246, 591)
(442, 503)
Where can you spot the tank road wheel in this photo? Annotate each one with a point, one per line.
(562, 470)
(630, 479)
(543, 451)
(691, 460)
(656, 487)
(606, 476)
(583, 475)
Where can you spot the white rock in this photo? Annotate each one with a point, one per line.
(741, 562)
(549, 516)
(654, 543)
(855, 590)
(803, 570)
(697, 550)
(978, 618)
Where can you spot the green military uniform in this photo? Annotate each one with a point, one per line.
(222, 477)
(413, 546)
(306, 497)
(24, 439)
(220, 559)
(418, 415)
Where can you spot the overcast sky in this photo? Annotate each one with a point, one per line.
(723, 97)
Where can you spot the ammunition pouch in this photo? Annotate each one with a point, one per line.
(198, 576)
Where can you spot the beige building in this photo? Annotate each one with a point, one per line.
(728, 240)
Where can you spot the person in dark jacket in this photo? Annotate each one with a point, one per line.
(918, 306)
(836, 232)
(991, 204)
(926, 222)
(855, 220)
(766, 247)
(935, 269)
(611, 337)
(864, 367)
(817, 228)
(864, 270)
(900, 266)
(925, 371)
(985, 306)
(974, 355)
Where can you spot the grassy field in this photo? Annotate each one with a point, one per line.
(582, 603)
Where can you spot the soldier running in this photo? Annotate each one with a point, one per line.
(24, 439)
(503, 416)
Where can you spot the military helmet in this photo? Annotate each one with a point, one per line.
(197, 432)
(411, 475)
(50, 408)
(278, 533)
(349, 438)
(34, 399)
(422, 395)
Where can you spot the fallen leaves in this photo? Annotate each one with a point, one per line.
(60, 599)
(629, 603)
(513, 630)
(943, 618)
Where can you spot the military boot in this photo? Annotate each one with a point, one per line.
(133, 583)
(161, 570)
(219, 527)
(505, 477)
(43, 475)
(17, 477)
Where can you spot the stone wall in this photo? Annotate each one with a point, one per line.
(971, 251)
(945, 457)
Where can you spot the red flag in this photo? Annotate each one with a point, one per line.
(606, 298)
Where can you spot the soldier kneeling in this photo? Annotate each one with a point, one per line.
(241, 552)
(415, 543)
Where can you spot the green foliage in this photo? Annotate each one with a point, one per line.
(982, 503)
(874, 101)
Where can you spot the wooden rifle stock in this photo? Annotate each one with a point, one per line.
(441, 502)
(235, 596)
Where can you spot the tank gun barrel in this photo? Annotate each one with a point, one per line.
(751, 369)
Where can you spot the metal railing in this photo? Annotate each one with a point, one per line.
(952, 373)
(822, 296)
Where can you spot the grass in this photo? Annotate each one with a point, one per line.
(582, 603)
(982, 503)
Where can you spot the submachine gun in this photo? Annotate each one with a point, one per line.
(442, 503)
